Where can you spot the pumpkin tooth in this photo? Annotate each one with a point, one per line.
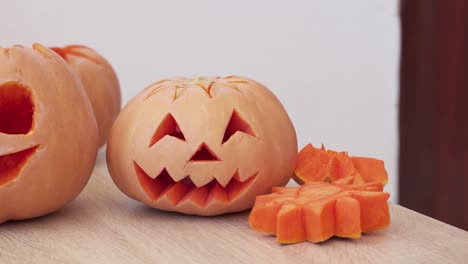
(200, 181)
(224, 181)
(153, 188)
(236, 175)
(177, 174)
(246, 173)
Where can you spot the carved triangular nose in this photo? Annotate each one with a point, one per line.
(204, 153)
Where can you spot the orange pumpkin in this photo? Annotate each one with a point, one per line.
(203, 146)
(100, 82)
(48, 133)
(318, 211)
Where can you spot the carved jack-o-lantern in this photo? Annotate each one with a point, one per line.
(202, 146)
(48, 133)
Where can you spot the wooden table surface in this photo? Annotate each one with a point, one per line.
(104, 226)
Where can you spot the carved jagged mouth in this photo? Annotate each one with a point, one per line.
(12, 164)
(177, 192)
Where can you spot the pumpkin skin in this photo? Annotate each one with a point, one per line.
(100, 82)
(203, 146)
(48, 133)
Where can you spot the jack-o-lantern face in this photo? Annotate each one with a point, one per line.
(202, 146)
(48, 133)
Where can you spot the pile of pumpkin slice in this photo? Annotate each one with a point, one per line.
(340, 196)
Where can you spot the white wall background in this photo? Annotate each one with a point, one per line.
(333, 64)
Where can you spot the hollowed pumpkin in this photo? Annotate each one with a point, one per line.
(100, 82)
(318, 211)
(202, 146)
(48, 133)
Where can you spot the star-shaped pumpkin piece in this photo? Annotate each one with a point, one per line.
(318, 211)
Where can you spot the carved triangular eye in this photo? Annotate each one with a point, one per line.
(168, 127)
(237, 124)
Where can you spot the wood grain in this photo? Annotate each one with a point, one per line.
(104, 226)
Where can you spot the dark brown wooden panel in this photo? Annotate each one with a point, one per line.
(433, 117)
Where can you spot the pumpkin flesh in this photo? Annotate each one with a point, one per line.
(317, 211)
(318, 165)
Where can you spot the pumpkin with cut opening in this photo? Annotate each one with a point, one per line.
(100, 82)
(203, 146)
(48, 133)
